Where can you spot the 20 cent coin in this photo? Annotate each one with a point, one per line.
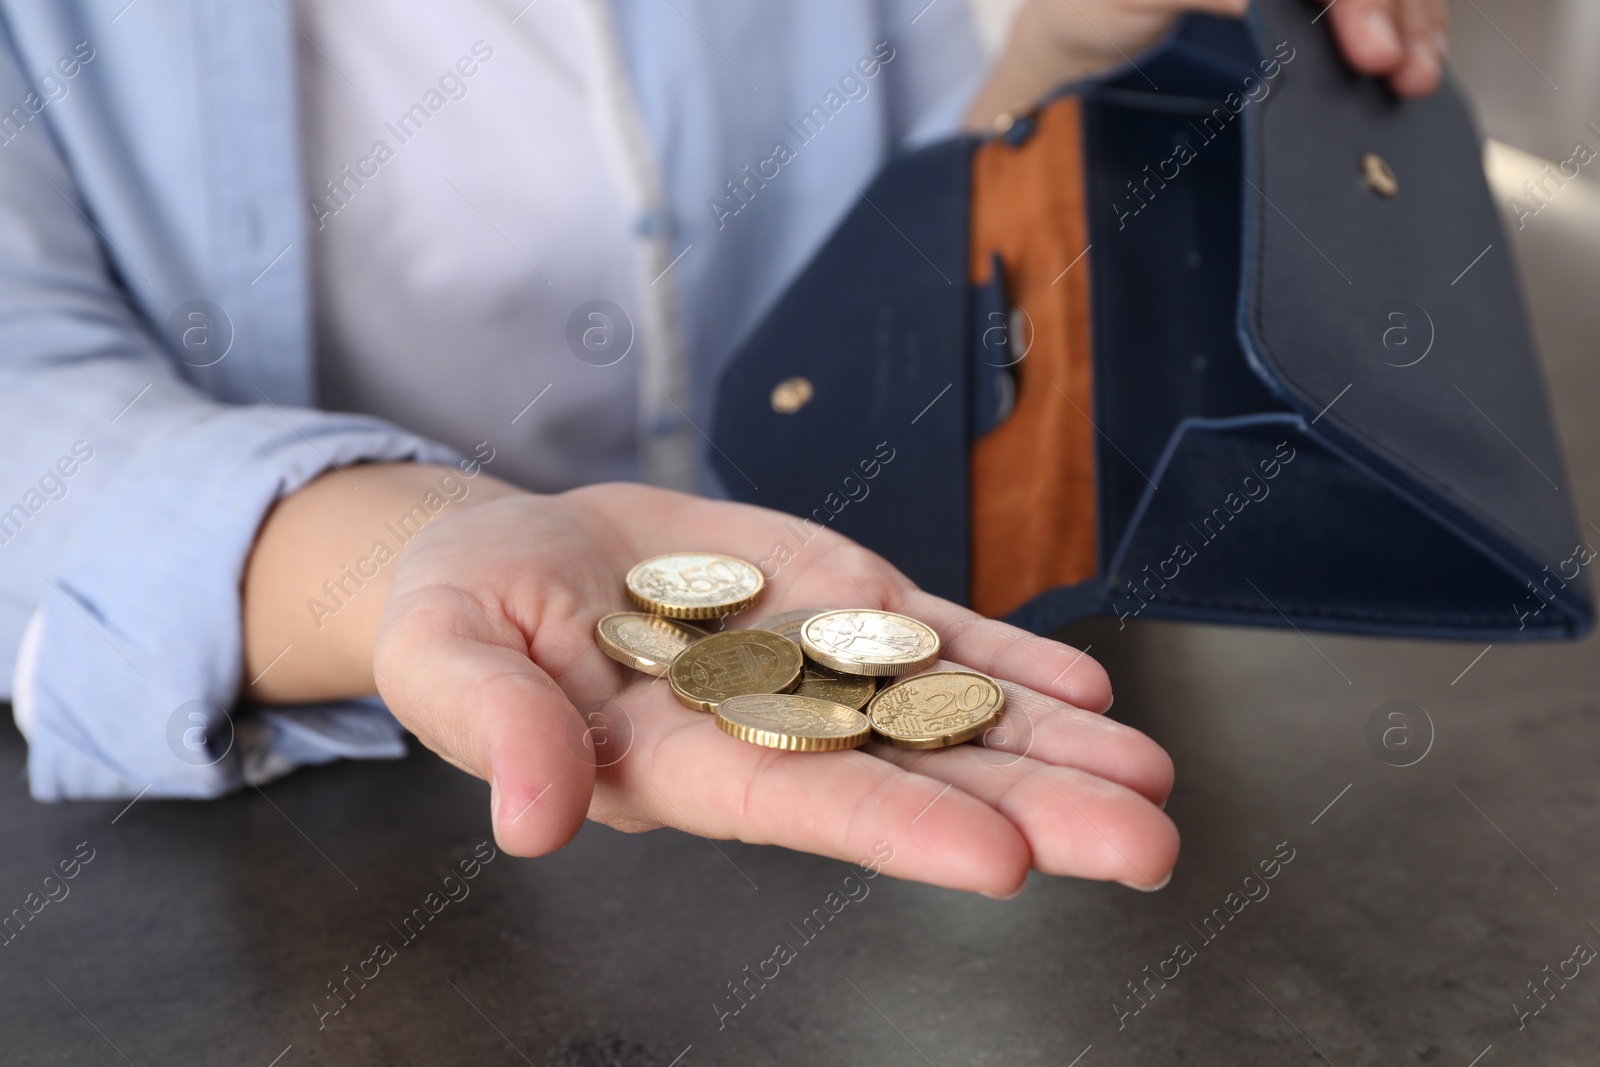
(935, 710)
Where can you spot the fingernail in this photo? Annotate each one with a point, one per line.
(1145, 887)
(1427, 53)
(1008, 896)
(1383, 32)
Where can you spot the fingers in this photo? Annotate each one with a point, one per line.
(458, 680)
(847, 575)
(1061, 789)
(1236, 8)
(1074, 823)
(1012, 654)
(1403, 39)
(1051, 732)
(846, 805)
(842, 574)
(1422, 25)
(1368, 34)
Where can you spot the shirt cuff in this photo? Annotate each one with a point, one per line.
(135, 660)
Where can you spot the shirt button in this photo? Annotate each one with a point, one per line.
(653, 224)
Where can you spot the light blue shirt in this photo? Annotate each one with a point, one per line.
(152, 219)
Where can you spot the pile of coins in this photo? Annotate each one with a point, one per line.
(805, 681)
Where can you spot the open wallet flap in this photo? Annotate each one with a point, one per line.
(1390, 317)
(1320, 290)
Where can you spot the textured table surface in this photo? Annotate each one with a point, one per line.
(1418, 903)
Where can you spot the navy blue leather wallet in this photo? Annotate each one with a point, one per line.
(1315, 397)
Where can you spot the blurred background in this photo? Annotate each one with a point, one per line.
(1530, 66)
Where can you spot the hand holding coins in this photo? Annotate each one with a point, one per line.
(803, 681)
(492, 651)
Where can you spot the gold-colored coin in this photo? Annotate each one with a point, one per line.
(788, 623)
(863, 641)
(647, 643)
(793, 722)
(694, 585)
(734, 663)
(825, 683)
(935, 710)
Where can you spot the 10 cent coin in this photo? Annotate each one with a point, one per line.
(734, 663)
(792, 722)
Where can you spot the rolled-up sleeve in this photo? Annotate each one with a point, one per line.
(129, 503)
(139, 629)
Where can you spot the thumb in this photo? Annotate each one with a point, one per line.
(465, 686)
(1368, 32)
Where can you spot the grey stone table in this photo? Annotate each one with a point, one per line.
(1418, 905)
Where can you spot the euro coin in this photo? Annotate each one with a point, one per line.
(793, 722)
(647, 643)
(694, 585)
(788, 623)
(863, 641)
(825, 683)
(734, 663)
(935, 710)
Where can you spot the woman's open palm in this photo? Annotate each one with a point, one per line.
(487, 654)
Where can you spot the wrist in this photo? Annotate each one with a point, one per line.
(318, 578)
